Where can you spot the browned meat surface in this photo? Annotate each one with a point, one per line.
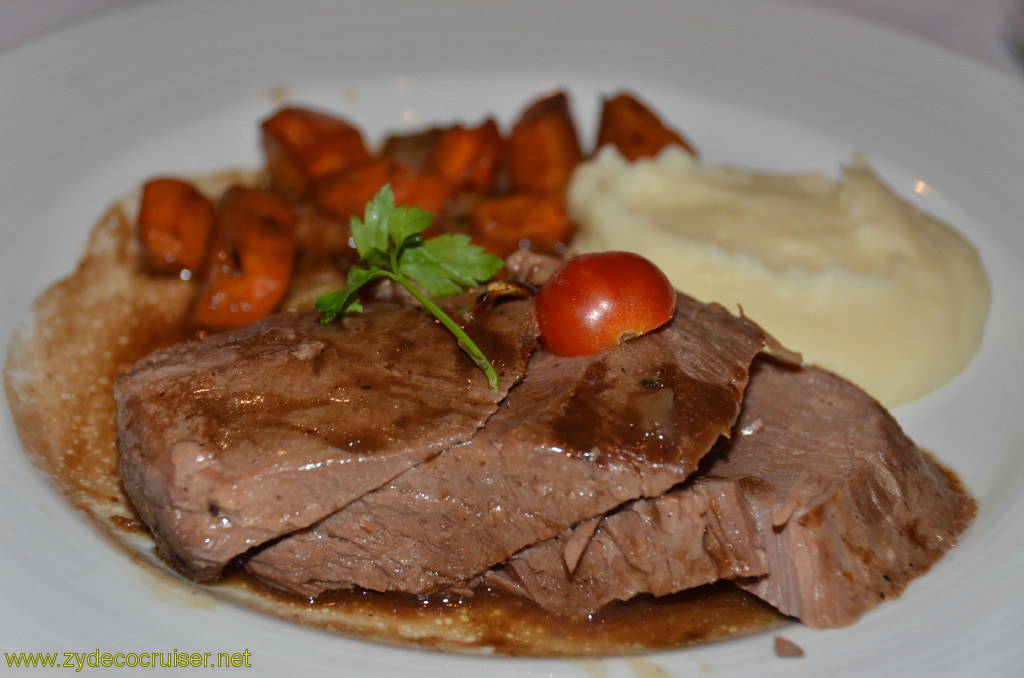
(680, 540)
(849, 510)
(838, 505)
(531, 268)
(232, 441)
(578, 437)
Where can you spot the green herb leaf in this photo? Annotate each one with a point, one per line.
(371, 232)
(448, 264)
(345, 300)
(406, 221)
(337, 302)
(389, 244)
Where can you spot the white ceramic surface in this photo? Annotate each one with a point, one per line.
(178, 87)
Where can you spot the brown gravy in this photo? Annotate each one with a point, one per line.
(494, 622)
(59, 380)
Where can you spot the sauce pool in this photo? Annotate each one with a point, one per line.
(498, 623)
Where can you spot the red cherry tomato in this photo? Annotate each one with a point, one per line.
(596, 301)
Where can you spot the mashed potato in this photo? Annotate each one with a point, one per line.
(846, 272)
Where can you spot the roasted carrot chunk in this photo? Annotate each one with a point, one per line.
(301, 146)
(413, 149)
(346, 193)
(543, 147)
(250, 260)
(174, 224)
(469, 157)
(537, 221)
(635, 130)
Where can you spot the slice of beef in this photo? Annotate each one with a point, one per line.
(682, 539)
(845, 507)
(578, 437)
(848, 508)
(232, 441)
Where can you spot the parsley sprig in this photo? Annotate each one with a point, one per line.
(390, 245)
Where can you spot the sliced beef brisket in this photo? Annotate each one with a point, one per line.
(848, 508)
(680, 540)
(578, 437)
(230, 442)
(837, 503)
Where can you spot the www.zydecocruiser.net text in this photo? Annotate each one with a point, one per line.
(174, 659)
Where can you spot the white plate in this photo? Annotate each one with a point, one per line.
(179, 86)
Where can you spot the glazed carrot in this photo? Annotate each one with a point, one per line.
(537, 221)
(635, 130)
(301, 146)
(413, 149)
(469, 157)
(346, 193)
(543, 147)
(250, 260)
(174, 224)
